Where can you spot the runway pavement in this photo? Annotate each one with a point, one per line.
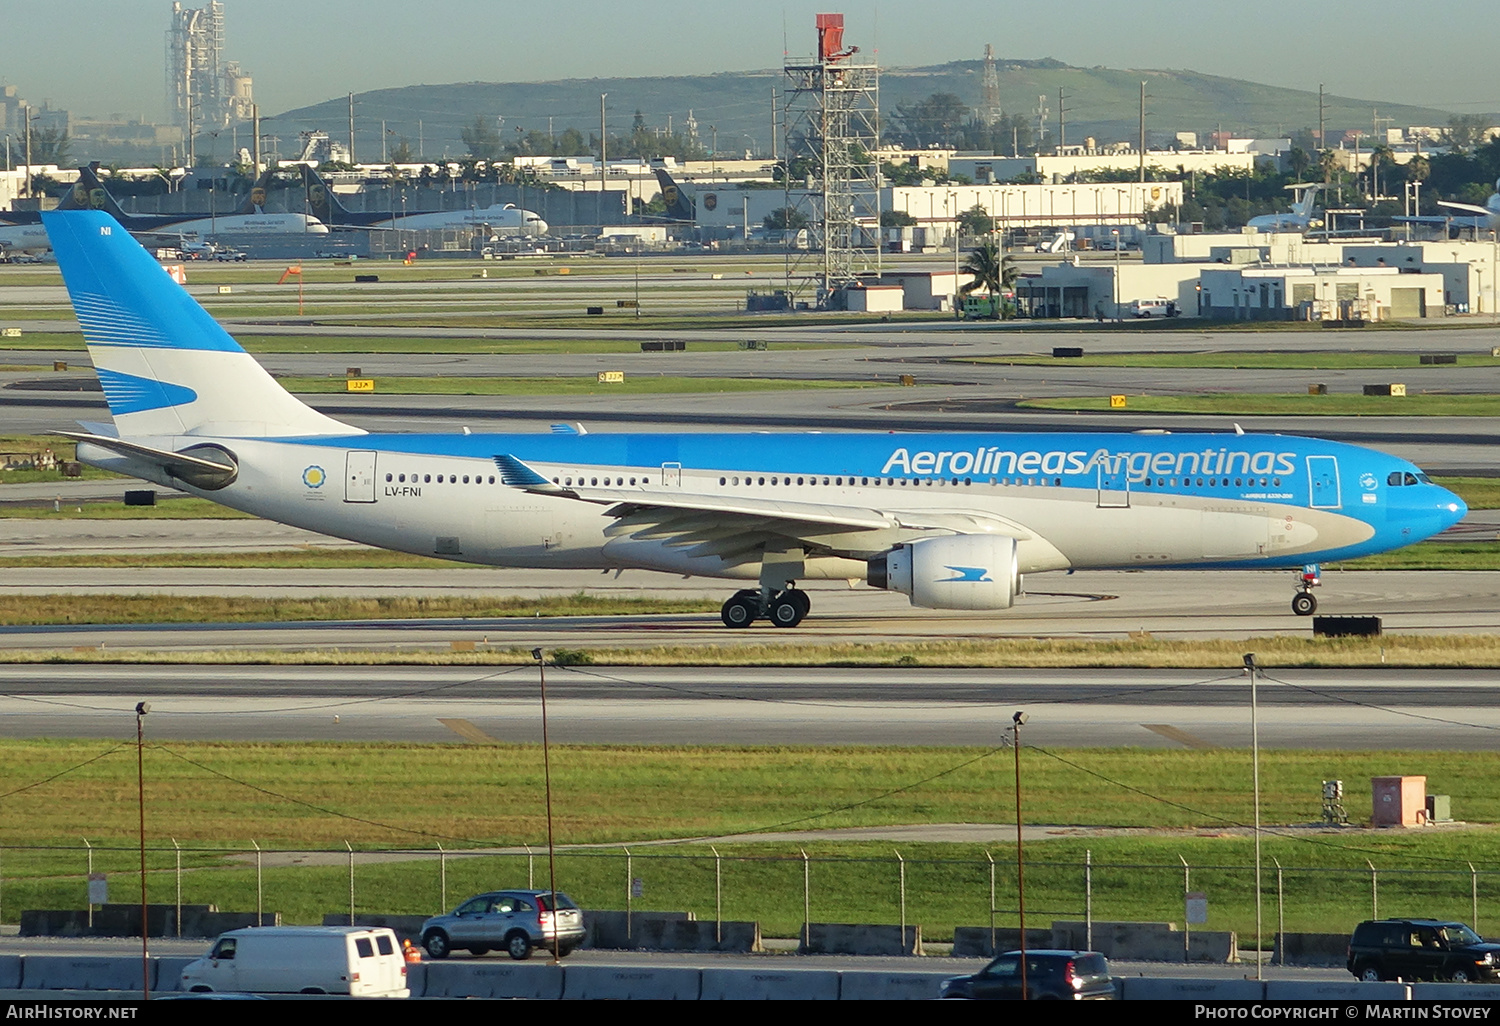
(1383, 709)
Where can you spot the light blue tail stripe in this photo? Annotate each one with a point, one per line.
(121, 294)
(127, 393)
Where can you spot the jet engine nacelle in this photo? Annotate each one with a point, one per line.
(960, 571)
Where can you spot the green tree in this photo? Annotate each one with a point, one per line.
(896, 219)
(482, 141)
(402, 153)
(935, 121)
(975, 221)
(50, 146)
(991, 272)
(1299, 160)
(1464, 131)
(785, 219)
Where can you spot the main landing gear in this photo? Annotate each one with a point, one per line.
(1303, 603)
(784, 608)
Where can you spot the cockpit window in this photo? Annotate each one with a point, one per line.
(1394, 479)
(1411, 478)
(1424, 479)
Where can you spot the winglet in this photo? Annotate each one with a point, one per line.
(518, 475)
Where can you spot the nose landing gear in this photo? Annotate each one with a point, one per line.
(1303, 603)
(785, 608)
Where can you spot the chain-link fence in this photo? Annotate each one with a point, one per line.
(781, 889)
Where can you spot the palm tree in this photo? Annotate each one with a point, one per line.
(991, 272)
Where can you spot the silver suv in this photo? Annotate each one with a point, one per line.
(517, 921)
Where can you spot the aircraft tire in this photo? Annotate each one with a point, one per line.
(738, 612)
(786, 611)
(1304, 604)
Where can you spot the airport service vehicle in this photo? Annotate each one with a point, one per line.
(951, 520)
(516, 921)
(1158, 307)
(1050, 975)
(1421, 949)
(353, 960)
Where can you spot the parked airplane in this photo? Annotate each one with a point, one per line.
(248, 218)
(508, 219)
(951, 520)
(1488, 216)
(680, 206)
(21, 231)
(1298, 219)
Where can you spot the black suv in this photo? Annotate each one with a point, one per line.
(1050, 974)
(1421, 949)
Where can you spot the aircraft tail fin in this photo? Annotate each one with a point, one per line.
(166, 366)
(255, 200)
(679, 204)
(89, 193)
(322, 203)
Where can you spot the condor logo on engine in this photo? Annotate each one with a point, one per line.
(977, 574)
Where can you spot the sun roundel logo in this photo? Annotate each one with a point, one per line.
(1367, 481)
(314, 476)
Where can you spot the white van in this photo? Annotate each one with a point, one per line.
(355, 960)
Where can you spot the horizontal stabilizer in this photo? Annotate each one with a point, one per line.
(204, 466)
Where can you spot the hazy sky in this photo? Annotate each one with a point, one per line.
(103, 56)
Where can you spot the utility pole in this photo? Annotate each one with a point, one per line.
(26, 112)
(351, 128)
(603, 157)
(773, 124)
(1322, 138)
(1143, 131)
(192, 146)
(1062, 121)
(255, 136)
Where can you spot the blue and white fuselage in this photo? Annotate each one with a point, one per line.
(953, 520)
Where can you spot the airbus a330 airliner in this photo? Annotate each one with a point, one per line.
(951, 520)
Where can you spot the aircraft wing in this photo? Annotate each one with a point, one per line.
(730, 525)
(1468, 208)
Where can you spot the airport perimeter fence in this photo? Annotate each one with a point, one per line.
(781, 889)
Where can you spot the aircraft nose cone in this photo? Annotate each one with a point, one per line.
(1451, 508)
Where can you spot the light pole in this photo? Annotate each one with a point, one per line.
(1016, 720)
(1255, 775)
(141, 709)
(1116, 233)
(541, 669)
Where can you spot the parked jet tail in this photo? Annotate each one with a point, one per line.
(323, 203)
(680, 206)
(166, 366)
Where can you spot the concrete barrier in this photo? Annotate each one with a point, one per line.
(1145, 988)
(974, 941)
(770, 985)
(611, 929)
(1148, 942)
(405, 927)
(80, 972)
(125, 921)
(695, 935)
(167, 975)
(478, 978)
(1311, 949)
(859, 939)
(10, 972)
(1340, 990)
(863, 985)
(1485, 992)
(631, 983)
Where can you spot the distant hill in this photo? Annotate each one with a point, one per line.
(1102, 103)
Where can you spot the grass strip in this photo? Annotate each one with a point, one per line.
(165, 509)
(634, 384)
(1138, 650)
(1235, 360)
(1190, 805)
(36, 610)
(1251, 405)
